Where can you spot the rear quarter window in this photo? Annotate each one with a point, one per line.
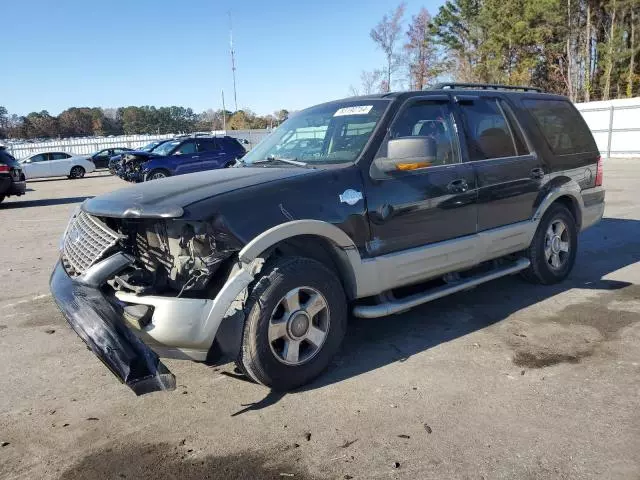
(562, 126)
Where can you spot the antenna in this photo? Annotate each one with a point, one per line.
(224, 115)
(233, 62)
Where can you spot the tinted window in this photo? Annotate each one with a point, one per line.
(562, 126)
(186, 148)
(232, 144)
(58, 156)
(207, 145)
(488, 133)
(427, 119)
(42, 157)
(516, 131)
(7, 158)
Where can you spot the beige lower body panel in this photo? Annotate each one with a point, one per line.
(394, 270)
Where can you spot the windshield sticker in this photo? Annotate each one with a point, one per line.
(359, 110)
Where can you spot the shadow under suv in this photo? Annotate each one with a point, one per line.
(380, 204)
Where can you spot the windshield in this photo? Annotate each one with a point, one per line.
(330, 133)
(149, 147)
(166, 147)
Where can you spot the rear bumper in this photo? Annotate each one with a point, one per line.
(593, 206)
(10, 187)
(99, 324)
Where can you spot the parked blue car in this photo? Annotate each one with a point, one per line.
(181, 156)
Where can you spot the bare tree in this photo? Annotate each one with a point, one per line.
(421, 54)
(386, 35)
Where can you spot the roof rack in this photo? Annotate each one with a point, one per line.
(485, 86)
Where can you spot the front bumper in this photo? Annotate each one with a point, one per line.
(99, 324)
(178, 328)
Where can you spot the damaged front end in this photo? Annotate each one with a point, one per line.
(135, 289)
(131, 168)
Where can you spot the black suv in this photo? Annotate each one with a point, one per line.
(12, 180)
(436, 190)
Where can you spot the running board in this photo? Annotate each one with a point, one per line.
(399, 306)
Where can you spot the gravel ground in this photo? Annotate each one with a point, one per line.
(509, 380)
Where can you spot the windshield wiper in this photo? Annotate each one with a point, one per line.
(290, 161)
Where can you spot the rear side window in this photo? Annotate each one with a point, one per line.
(563, 127)
(207, 145)
(232, 144)
(59, 156)
(489, 133)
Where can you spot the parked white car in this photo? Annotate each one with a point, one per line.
(56, 164)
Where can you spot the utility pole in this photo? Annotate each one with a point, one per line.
(233, 62)
(224, 114)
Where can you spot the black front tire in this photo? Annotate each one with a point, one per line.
(257, 358)
(542, 269)
(76, 172)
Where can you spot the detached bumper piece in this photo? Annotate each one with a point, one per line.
(100, 326)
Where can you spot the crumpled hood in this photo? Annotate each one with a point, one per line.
(166, 198)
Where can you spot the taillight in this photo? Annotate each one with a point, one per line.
(599, 173)
(4, 168)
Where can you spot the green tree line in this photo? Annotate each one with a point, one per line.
(585, 49)
(85, 121)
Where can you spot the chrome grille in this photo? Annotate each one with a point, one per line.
(87, 239)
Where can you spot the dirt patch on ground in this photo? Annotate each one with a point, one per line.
(164, 461)
(538, 359)
(578, 331)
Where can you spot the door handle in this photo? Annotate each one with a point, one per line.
(196, 156)
(537, 173)
(458, 186)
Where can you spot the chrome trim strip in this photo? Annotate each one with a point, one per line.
(399, 306)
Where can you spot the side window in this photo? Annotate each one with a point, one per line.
(42, 157)
(563, 127)
(208, 145)
(186, 148)
(487, 132)
(427, 119)
(58, 156)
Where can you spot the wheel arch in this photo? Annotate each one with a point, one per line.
(565, 191)
(315, 239)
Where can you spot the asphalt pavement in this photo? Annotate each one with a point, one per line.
(509, 380)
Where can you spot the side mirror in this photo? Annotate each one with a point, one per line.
(178, 153)
(407, 153)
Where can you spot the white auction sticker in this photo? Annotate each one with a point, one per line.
(358, 110)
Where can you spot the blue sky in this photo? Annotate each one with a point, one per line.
(290, 54)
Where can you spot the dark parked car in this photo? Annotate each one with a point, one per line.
(411, 197)
(181, 156)
(101, 158)
(12, 180)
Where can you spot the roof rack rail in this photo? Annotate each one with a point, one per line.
(485, 86)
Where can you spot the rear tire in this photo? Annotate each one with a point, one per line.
(1, 198)
(77, 172)
(296, 318)
(553, 250)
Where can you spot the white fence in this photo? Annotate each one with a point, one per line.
(615, 125)
(86, 146)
